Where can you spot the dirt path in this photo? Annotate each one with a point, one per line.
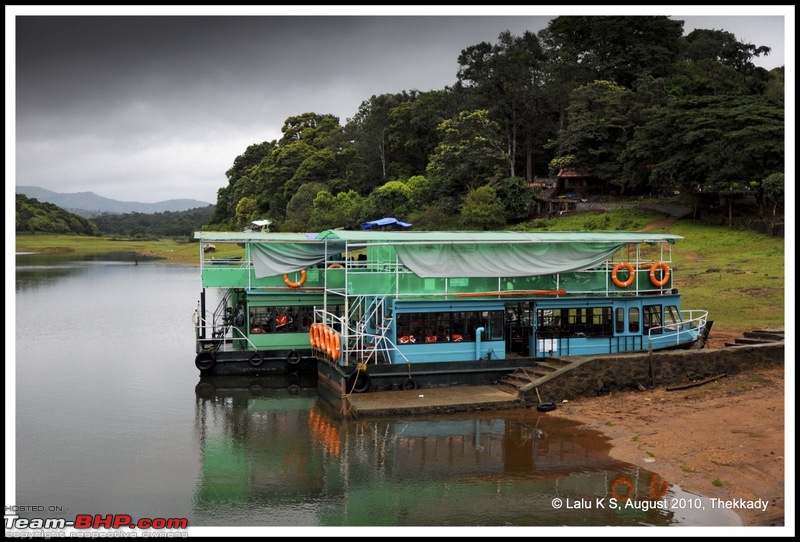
(725, 439)
(658, 224)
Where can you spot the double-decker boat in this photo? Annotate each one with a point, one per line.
(380, 310)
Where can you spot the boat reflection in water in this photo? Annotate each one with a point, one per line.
(274, 455)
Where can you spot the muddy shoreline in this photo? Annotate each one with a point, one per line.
(724, 439)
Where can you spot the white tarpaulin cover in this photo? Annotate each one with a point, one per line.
(271, 259)
(503, 260)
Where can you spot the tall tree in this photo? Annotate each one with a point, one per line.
(598, 130)
(412, 133)
(369, 128)
(508, 79)
(226, 202)
(722, 47)
(470, 154)
(617, 48)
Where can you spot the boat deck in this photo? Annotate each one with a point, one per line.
(430, 400)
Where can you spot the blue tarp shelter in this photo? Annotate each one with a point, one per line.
(385, 223)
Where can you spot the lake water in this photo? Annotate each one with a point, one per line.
(112, 418)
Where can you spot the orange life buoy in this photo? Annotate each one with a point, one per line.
(292, 284)
(431, 338)
(335, 266)
(664, 274)
(312, 335)
(617, 484)
(328, 341)
(321, 337)
(337, 347)
(407, 339)
(657, 487)
(631, 274)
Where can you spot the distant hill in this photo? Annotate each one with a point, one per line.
(90, 205)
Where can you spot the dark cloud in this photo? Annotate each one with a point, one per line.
(147, 108)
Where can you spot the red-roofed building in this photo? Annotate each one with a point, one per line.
(573, 180)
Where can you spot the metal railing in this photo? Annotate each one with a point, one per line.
(687, 329)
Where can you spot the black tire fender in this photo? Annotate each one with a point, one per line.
(256, 359)
(204, 361)
(293, 358)
(357, 382)
(408, 383)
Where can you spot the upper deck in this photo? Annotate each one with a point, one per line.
(449, 264)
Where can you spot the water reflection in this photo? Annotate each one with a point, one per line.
(272, 454)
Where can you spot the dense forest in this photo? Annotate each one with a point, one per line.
(630, 102)
(166, 224)
(34, 216)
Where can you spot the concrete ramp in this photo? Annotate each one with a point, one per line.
(758, 336)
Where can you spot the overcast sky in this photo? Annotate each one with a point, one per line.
(143, 107)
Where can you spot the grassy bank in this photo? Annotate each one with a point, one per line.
(165, 250)
(738, 276)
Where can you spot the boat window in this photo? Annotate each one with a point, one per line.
(435, 327)
(285, 319)
(652, 319)
(672, 318)
(574, 322)
(633, 320)
(619, 320)
(493, 325)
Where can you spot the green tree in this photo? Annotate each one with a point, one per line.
(615, 48)
(370, 127)
(774, 190)
(515, 196)
(393, 199)
(315, 130)
(412, 133)
(469, 155)
(598, 130)
(345, 210)
(710, 145)
(319, 167)
(300, 207)
(482, 209)
(420, 191)
(508, 80)
(246, 211)
(225, 209)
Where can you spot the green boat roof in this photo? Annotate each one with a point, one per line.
(253, 237)
(446, 237)
(438, 237)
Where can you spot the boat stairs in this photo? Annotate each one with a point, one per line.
(524, 379)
